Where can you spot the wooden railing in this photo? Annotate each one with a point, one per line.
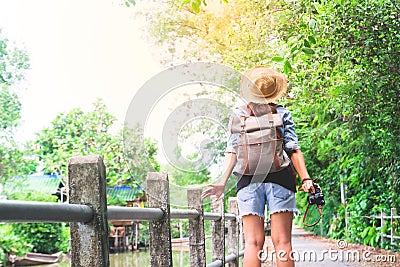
(88, 215)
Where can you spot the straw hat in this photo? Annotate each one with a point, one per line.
(262, 85)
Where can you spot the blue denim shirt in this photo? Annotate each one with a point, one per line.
(288, 133)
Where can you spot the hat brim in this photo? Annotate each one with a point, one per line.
(247, 86)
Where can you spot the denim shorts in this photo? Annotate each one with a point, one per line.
(252, 199)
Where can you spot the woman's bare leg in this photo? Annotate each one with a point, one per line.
(281, 235)
(254, 237)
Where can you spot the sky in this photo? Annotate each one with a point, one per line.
(79, 51)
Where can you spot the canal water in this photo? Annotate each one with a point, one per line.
(180, 256)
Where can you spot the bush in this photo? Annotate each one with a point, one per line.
(42, 237)
(11, 244)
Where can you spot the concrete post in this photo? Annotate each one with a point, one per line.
(87, 186)
(233, 232)
(157, 191)
(196, 228)
(218, 230)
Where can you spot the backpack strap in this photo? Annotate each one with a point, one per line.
(276, 158)
(244, 143)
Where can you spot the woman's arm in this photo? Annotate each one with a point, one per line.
(298, 161)
(218, 189)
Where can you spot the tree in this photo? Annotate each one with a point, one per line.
(13, 64)
(342, 59)
(13, 160)
(78, 133)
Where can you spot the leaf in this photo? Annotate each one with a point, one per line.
(277, 59)
(287, 67)
(196, 6)
(312, 23)
(308, 50)
(184, 2)
(311, 39)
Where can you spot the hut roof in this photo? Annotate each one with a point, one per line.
(45, 183)
(125, 193)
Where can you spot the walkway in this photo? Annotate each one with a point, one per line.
(312, 251)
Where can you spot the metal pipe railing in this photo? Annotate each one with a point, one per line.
(128, 213)
(217, 263)
(228, 258)
(184, 214)
(230, 217)
(35, 211)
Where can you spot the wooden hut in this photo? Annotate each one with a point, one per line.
(125, 235)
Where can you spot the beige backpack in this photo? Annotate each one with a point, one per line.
(260, 145)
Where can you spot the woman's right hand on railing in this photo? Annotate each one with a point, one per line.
(213, 190)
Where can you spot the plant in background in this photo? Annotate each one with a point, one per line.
(13, 159)
(42, 237)
(78, 133)
(11, 244)
(342, 59)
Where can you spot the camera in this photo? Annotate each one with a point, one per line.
(317, 197)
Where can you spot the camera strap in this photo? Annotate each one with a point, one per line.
(305, 215)
(308, 206)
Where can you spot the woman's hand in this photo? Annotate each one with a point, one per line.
(308, 186)
(218, 189)
(213, 190)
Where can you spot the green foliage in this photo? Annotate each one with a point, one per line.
(128, 3)
(13, 160)
(348, 113)
(19, 238)
(10, 243)
(10, 109)
(189, 176)
(140, 155)
(79, 133)
(41, 237)
(44, 237)
(175, 228)
(115, 201)
(342, 59)
(13, 64)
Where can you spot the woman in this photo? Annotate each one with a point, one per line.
(259, 87)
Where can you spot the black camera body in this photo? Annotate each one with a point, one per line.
(317, 197)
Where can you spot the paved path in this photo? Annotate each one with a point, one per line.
(309, 251)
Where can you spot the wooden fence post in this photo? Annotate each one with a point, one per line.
(87, 186)
(157, 192)
(218, 230)
(233, 232)
(196, 228)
